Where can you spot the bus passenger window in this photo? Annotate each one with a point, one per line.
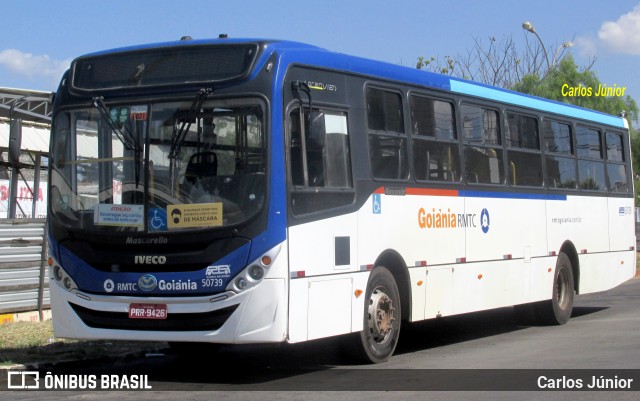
(525, 159)
(616, 166)
(387, 139)
(483, 154)
(388, 157)
(560, 163)
(319, 161)
(590, 159)
(435, 146)
(321, 158)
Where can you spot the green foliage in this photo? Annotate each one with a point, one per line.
(432, 64)
(564, 82)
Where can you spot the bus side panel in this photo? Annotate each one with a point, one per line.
(322, 258)
(495, 284)
(505, 229)
(298, 309)
(603, 271)
(422, 228)
(508, 238)
(579, 219)
(622, 235)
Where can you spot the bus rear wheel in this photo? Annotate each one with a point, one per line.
(558, 309)
(378, 340)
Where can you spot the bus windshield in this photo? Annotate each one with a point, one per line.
(159, 167)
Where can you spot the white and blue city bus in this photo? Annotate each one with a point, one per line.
(254, 191)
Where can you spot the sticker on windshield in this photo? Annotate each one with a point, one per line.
(194, 215)
(138, 113)
(157, 219)
(119, 215)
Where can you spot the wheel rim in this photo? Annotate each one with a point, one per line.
(381, 315)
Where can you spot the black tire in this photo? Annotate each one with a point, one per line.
(382, 315)
(557, 310)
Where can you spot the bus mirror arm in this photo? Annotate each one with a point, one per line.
(125, 136)
(297, 87)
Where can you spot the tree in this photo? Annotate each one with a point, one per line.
(567, 83)
(531, 71)
(496, 62)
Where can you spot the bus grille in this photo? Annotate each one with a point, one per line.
(174, 322)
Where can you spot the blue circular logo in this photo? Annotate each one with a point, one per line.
(484, 220)
(147, 282)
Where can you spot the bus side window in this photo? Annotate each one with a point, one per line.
(483, 153)
(590, 159)
(324, 152)
(525, 159)
(319, 160)
(435, 146)
(560, 161)
(616, 164)
(387, 139)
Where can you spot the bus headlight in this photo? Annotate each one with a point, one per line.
(241, 283)
(57, 273)
(61, 277)
(255, 272)
(68, 284)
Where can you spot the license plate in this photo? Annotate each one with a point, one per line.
(147, 311)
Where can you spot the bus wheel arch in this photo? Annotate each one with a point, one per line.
(381, 318)
(387, 303)
(557, 310)
(570, 250)
(398, 268)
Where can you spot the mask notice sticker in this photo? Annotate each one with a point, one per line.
(194, 215)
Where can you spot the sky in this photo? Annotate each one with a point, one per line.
(40, 38)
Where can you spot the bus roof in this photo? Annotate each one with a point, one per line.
(300, 53)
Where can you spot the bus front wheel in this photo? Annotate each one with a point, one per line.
(377, 341)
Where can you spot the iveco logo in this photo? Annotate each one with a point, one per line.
(147, 282)
(150, 260)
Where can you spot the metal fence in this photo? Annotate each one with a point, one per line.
(24, 284)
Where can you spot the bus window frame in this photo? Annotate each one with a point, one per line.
(415, 138)
(292, 188)
(569, 156)
(466, 101)
(624, 162)
(600, 130)
(404, 135)
(523, 150)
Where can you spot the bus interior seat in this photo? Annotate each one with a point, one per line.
(201, 165)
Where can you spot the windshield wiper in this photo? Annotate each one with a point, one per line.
(124, 135)
(199, 100)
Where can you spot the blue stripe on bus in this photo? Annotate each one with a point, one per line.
(511, 195)
(476, 194)
(501, 95)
